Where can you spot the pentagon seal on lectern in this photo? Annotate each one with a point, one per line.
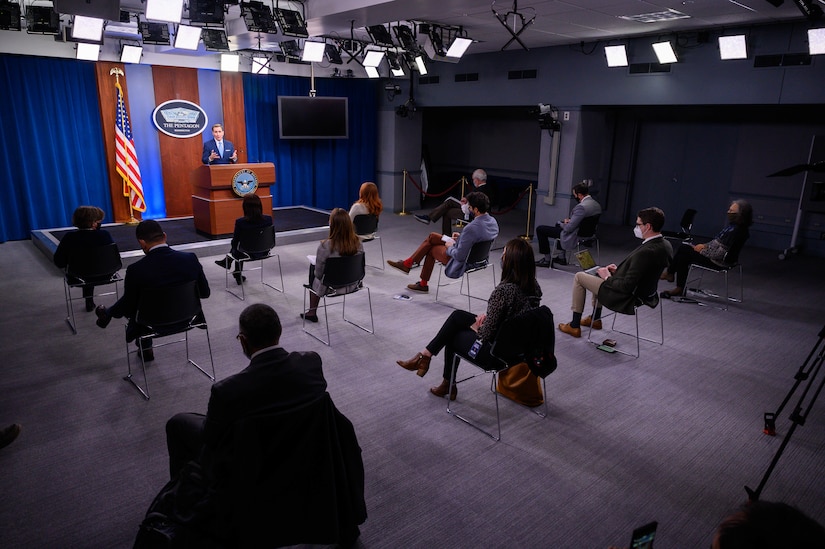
(244, 182)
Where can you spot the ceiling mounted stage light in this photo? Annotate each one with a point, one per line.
(333, 54)
(816, 41)
(10, 15)
(438, 37)
(616, 56)
(187, 38)
(372, 72)
(292, 23)
(260, 64)
(373, 58)
(313, 52)
(809, 9)
(88, 52)
(405, 37)
(664, 52)
(42, 20)
(290, 48)
(381, 36)
(206, 12)
(131, 54)
(215, 39)
(395, 64)
(258, 17)
(733, 47)
(154, 33)
(164, 10)
(422, 66)
(458, 47)
(87, 28)
(230, 62)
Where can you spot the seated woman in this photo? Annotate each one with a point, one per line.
(368, 203)
(517, 293)
(342, 242)
(253, 218)
(722, 251)
(87, 219)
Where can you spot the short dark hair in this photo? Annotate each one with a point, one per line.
(149, 230)
(84, 217)
(479, 201)
(581, 188)
(654, 216)
(260, 324)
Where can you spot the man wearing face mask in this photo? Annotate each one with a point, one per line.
(567, 231)
(454, 209)
(451, 252)
(616, 286)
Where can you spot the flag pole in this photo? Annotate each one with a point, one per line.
(404, 195)
(118, 72)
(526, 236)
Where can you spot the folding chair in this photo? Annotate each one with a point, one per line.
(90, 267)
(685, 226)
(255, 245)
(163, 312)
(342, 276)
(477, 260)
(528, 338)
(366, 227)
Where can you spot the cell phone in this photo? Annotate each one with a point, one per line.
(643, 536)
(402, 297)
(605, 348)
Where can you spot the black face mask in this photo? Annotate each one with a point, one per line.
(732, 217)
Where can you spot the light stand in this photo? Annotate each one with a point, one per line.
(808, 371)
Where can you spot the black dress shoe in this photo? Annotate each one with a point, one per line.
(239, 278)
(309, 318)
(559, 261)
(103, 317)
(423, 218)
(90, 305)
(226, 263)
(543, 262)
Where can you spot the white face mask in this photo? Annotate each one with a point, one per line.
(465, 209)
(637, 232)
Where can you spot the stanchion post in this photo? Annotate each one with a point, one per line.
(526, 236)
(404, 195)
(132, 220)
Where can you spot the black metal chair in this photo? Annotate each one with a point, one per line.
(163, 312)
(342, 276)
(587, 237)
(90, 267)
(528, 338)
(685, 226)
(366, 227)
(255, 245)
(477, 260)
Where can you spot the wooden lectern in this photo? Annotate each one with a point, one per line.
(215, 205)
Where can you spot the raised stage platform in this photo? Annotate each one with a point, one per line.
(292, 224)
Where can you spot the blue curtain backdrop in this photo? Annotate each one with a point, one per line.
(53, 154)
(324, 173)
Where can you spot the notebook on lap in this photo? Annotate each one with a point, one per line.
(586, 262)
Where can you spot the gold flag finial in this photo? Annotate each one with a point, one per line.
(118, 72)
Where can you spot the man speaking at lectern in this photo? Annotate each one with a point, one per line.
(218, 150)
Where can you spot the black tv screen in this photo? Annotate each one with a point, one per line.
(313, 117)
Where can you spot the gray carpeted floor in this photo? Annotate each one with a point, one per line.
(673, 436)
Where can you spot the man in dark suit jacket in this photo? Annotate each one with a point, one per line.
(162, 266)
(567, 232)
(457, 209)
(618, 287)
(217, 150)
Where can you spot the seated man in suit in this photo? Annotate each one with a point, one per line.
(451, 252)
(162, 266)
(456, 209)
(568, 230)
(218, 150)
(615, 286)
(276, 384)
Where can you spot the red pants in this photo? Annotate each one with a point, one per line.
(431, 250)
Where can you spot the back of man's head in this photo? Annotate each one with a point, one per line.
(479, 201)
(768, 525)
(481, 175)
(260, 324)
(654, 216)
(581, 188)
(149, 230)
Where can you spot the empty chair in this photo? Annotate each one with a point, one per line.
(256, 244)
(477, 260)
(685, 226)
(528, 338)
(90, 267)
(163, 312)
(343, 275)
(366, 227)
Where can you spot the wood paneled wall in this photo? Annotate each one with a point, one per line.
(234, 116)
(107, 99)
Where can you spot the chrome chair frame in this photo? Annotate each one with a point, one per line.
(696, 290)
(253, 243)
(91, 267)
(157, 312)
(477, 260)
(639, 303)
(366, 227)
(339, 273)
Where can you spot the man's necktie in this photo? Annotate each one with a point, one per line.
(220, 148)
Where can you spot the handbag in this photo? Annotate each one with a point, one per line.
(520, 384)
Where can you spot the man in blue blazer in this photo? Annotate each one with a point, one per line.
(218, 150)
(162, 266)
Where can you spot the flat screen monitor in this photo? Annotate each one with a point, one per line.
(313, 117)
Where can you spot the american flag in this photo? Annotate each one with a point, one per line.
(126, 158)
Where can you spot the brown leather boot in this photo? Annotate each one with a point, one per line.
(418, 362)
(441, 390)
